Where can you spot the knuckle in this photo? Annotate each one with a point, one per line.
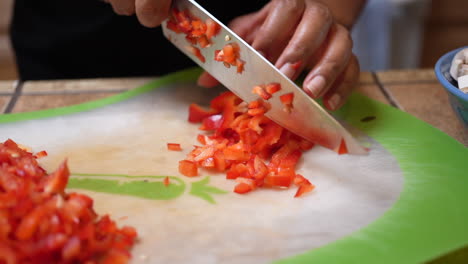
(298, 50)
(291, 6)
(333, 67)
(320, 10)
(149, 15)
(345, 34)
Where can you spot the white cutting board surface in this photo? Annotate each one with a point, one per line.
(130, 138)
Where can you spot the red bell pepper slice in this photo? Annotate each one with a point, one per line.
(198, 113)
(260, 91)
(174, 146)
(188, 168)
(272, 88)
(166, 181)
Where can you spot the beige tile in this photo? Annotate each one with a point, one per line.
(372, 91)
(27, 103)
(3, 103)
(7, 87)
(83, 85)
(407, 76)
(366, 78)
(429, 102)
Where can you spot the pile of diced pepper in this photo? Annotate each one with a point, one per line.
(41, 223)
(245, 144)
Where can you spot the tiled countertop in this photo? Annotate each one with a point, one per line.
(416, 92)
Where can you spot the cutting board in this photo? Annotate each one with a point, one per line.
(382, 207)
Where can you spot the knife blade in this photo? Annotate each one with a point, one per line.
(306, 119)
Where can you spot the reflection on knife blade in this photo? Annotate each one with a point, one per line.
(240, 68)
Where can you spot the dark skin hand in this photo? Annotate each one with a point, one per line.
(315, 33)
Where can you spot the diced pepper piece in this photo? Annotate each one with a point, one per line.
(197, 53)
(188, 168)
(260, 91)
(303, 189)
(198, 113)
(40, 154)
(174, 146)
(287, 100)
(342, 149)
(272, 88)
(212, 28)
(242, 188)
(166, 181)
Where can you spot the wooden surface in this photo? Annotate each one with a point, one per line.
(414, 91)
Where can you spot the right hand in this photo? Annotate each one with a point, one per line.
(150, 13)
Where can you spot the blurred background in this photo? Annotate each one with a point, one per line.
(390, 34)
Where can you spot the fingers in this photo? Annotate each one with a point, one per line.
(123, 7)
(207, 81)
(278, 27)
(342, 88)
(245, 27)
(333, 61)
(308, 37)
(151, 13)
(248, 25)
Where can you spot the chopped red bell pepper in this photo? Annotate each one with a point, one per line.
(197, 53)
(287, 100)
(230, 55)
(260, 91)
(196, 31)
(41, 154)
(212, 28)
(188, 168)
(166, 181)
(342, 149)
(242, 188)
(174, 146)
(272, 88)
(41, 223)
(304, 189)
(247, 145)
(197, 113)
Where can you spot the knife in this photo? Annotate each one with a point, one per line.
(306, 119)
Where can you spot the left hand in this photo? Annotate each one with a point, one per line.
(290, 31)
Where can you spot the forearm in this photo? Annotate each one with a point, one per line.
(345, 12)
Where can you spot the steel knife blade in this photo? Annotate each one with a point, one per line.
(307, 118)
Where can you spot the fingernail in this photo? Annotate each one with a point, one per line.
(334, 101)
(316, 85)
(288, 70)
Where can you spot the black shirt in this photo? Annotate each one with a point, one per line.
(60, 39)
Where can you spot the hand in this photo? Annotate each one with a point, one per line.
(287, 32)
(150, 13)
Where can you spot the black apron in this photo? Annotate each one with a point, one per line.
(60, 39)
